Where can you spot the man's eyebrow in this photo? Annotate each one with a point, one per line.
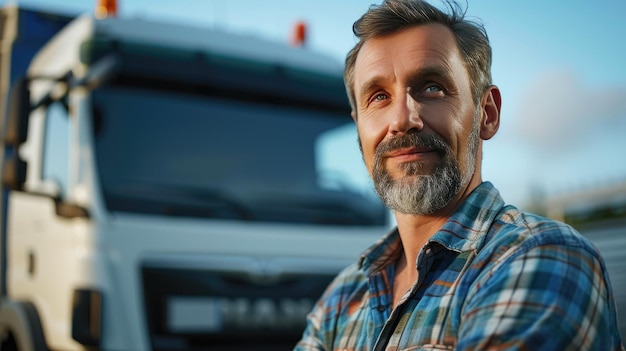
(430, 71)
(370, 84)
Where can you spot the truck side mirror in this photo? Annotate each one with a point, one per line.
(19, 109)
(14, 173)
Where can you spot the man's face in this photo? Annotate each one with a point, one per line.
(418, 123)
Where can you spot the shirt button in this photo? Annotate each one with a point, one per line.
(381, 308)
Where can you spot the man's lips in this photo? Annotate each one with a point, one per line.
(409, 154)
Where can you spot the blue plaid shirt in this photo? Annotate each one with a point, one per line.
(492, 277)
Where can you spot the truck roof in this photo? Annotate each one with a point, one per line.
(176, 36)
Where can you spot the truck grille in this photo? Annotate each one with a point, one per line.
(196, 308)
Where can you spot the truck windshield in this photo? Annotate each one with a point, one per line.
(176, 153)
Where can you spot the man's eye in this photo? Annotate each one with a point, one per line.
(433, 89)
(379, 97)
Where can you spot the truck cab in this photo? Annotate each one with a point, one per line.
(165, 188)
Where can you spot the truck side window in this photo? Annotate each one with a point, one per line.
(336, 167)
(56, 147)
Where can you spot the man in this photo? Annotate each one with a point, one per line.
(462, 271)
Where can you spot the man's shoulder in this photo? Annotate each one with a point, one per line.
(352, 275)
(522, 242)
(516, 229)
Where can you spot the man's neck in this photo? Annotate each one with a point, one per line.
(416, 230)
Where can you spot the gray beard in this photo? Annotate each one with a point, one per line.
(416, 193)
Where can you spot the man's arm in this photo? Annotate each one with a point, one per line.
(311, 337)
(551, 297)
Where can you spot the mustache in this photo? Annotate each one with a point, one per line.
(422, 141)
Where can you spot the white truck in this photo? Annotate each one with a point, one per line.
(163, 187)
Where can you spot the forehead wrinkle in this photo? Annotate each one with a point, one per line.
(431, 59)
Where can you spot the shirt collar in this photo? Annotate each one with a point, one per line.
(464, 231)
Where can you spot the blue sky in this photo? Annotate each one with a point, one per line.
(559, 65)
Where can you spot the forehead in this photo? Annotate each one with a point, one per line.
(429, 46)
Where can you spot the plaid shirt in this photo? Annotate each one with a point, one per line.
(492, 277)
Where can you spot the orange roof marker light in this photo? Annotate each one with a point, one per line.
(106, 8)
(299, 34)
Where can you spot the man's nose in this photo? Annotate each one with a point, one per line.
(406, 116)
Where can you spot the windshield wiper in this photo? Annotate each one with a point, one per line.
(324, 208)
(177, 200)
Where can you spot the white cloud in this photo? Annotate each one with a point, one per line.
(559, 113)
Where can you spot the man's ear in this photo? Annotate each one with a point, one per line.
(490, 104)
(353, 114)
